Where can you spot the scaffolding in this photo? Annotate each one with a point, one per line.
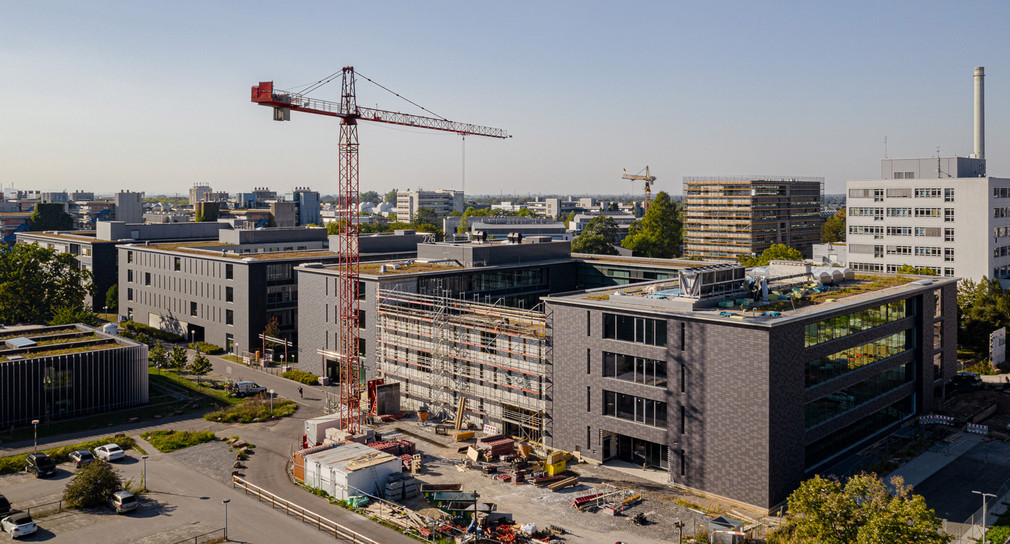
(443, 349)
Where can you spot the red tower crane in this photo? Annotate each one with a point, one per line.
(283, 102)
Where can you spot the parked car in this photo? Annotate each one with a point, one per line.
(41, 464)
(5, 506)
(81, 457)
(109, 452)
(123, 501)
(18, 525)
(246, 389)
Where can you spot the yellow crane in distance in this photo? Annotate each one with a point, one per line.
(648, 183)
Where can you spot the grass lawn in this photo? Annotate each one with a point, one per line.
(256, 408)
(204, 387)
(169, 440)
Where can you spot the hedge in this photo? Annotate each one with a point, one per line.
(256, 408)
(16, 463)
(204, 347)
(301, 376)
(153, 332)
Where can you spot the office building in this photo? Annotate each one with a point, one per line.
(67, 371)
(129, 207)
(744, 405)
(728, 216)
(306, 206)
(226, 291)
(943, 214)
(198, 193)
(441, 201)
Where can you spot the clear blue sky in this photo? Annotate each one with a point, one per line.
(154, 96)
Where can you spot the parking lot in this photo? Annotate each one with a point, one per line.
(185, 500)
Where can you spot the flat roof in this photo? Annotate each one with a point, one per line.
(800, 297)
(79, 236)
(207, 249)
(350, 456)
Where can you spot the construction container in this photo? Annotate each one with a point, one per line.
(463, 435)
(553, 469)
(298, 460)
(350, 469)
(428, 490)
(315, 428)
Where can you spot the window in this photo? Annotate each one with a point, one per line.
(589, 361)
(229, 271)
(229, 294)
(632, 408)
(930, 192)
(589, 399)
(844, 325)
(178, 264)
(948, 215)
(927, 212)
(948, 195)
(147, 278)
(900, 192)
(634, 369)
(683, 378)
(628, 328)
(845, 400)
(589, 323)
(876, 213)
(927, 251)
(361, 319)
(948, 272)
(229, 317)
(839, 441)
(948, 235)
(129, 293)
(927, 231)
(847, 360)
(192, 308)
(129, 256)
(899, 212)
(361, 347)
(129, 275)
(683, 419)
(948, 254)
(589, 437)
(899, 231)
(361, 290)
(876, 231)
(899, 250)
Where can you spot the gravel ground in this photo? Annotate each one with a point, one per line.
(211, 458)
(528, 503)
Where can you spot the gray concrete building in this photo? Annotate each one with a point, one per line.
(226, 291)
(87, 372)
(441, 201)
(129, 207)
(744, 405)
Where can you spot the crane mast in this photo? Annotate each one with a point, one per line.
(648, 184)
(349, 113)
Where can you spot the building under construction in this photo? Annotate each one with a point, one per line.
(481, 362)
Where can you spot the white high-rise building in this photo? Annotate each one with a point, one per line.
(941, 213)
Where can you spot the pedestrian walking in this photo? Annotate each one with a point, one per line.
(300, 392)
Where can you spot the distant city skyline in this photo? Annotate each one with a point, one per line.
(151, 97)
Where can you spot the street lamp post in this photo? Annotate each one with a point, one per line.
(35, 423)
(143, 478)
(226, 501)
(984, 495)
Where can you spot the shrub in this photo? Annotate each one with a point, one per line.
(257, 408)
(166, 441)
(92, 484)
(16, 463)
(205, 347)
(302, 377)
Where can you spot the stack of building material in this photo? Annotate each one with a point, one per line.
(567, 482)
(400, 488)
(496, 446)
(396, 447)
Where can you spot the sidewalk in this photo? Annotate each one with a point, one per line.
(932, 461)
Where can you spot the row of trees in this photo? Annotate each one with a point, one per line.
(178, 360)
(658, 234)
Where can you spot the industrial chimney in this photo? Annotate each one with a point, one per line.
(979, 113)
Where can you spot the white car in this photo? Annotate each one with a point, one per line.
(109, 452)
(18, 525)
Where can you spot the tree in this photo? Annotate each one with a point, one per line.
(833, 230)
(371, 197)
(567, 218)
(390, 197)
(917, 270)
(659, 233)
(68, 315)
(981, 308)
(112, 298)
(863, 511)
(333, 228)
(178, 358)
(273, 328)
(425, 216)
(597, 237)
(158, 355)
(92, 485)
(35, 282)
(50, 216)
(776, 252)
(200, 365)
